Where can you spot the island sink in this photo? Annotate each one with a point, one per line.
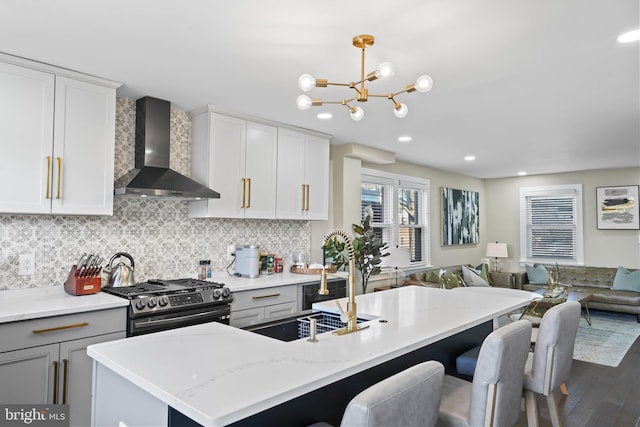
(297, 327)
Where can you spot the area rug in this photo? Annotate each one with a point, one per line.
(608, 339)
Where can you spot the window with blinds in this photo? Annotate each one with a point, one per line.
(399, 213)
(551, 224)
(377, 196)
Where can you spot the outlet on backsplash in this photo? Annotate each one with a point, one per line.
(230, 250)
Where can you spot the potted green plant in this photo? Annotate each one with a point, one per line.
(369, 249)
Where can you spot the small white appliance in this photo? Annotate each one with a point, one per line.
(247, 260)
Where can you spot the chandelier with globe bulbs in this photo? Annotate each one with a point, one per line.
(385, 70)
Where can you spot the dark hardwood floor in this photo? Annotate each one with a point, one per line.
(599, 396)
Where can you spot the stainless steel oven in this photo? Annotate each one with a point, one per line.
(159, 305)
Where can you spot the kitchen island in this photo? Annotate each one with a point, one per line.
(216, 375)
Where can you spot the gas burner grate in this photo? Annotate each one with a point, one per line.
(194, 283)
(138, 288)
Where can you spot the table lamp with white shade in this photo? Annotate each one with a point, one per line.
(497, 250)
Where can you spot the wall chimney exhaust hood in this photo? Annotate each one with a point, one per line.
(152, 176)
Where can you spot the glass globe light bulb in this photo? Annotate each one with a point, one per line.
(401, 112)
(631, 36)
(424, 83)
(357, 114)
(385, 70)
(306, 82)
(303, 102)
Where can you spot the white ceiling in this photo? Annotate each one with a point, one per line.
(537, 85)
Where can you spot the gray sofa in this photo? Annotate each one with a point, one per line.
(501, 280)
(595, 280)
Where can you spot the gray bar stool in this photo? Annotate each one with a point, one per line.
(493, 398)
(409, 398)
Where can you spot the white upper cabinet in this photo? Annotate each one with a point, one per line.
(57, 139)
(83, 148)
(26, 139)
(303, 176)
(237, 158)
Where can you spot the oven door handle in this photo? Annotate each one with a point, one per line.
(149, 323)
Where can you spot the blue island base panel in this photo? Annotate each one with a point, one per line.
(178, 419)
(329, 402)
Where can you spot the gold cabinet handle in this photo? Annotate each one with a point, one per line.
(65, 375)
(243, 193)
(303, 196)
(266, 296)
(249, 197)
(59, 159)
(59, 328)
(48, 176)
(55, 382)
(307, 197)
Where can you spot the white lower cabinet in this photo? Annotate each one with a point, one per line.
(259, 305)
(45, 360)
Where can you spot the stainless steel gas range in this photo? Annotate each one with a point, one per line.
(158, 305)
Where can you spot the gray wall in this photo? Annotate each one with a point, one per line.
(446, 255)
(500, 215)
(602, 248)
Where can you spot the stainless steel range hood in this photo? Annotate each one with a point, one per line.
(152, 176)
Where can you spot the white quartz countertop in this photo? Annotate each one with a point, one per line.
(34, 303)
(238, 284)
(220, 374)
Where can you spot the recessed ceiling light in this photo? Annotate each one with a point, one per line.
(470, 158)
(404, 138)
(324, 116)
(630, 36)
(522, 173)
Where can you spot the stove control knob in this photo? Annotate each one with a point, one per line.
(226, 292)
(140, 304)
(217, 293)
(152, 303)
(163, 301)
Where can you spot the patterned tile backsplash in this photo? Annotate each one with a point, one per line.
(163, 241)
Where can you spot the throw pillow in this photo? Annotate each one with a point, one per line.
(626, 280)
(472, 277)
(419, 277)
(432, 277)
(451, 280)
(537, 275)
(484, 273)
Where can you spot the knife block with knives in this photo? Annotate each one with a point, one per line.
(84, 277)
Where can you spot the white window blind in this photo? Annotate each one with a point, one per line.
(399, 211)
(411, 219)
(551, 224)
(377, 194)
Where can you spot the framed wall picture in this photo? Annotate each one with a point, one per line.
(460, 222)
(617, 208)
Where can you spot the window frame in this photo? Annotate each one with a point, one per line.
(570, 190)
(395, 182)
